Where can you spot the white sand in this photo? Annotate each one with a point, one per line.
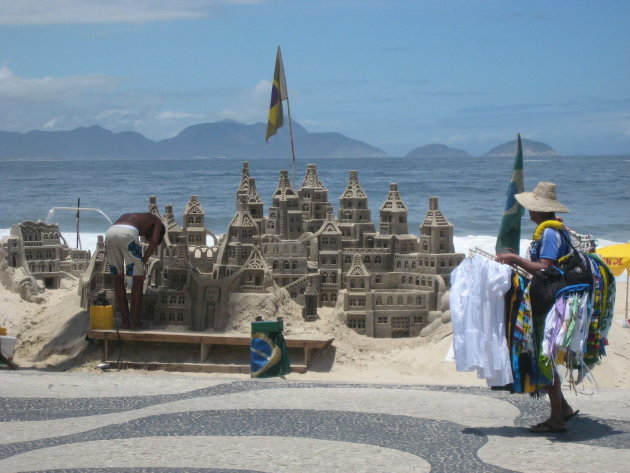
(51, 335)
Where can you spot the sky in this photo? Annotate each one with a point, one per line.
(396, 74)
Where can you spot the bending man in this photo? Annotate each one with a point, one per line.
(125, 258)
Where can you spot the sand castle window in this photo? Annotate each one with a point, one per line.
(361, 323)
(419, 300)
(180, 317)
(275, 265)
(333, 297)
(295, 265)
(413, 265)
(367, 260)
(390, 300)
(381, 320)
(285, 265)
(377, 279)
(409, 300)
(333, 277)
(325, 297)
(171, 316)
(379, 301)
(430, 282)
(324, 278)
(417, 319)
(347, 260)
(398, 264)
(293, 295)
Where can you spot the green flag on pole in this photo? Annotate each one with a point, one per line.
(509, 237)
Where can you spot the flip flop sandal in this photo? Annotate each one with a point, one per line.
(546, 428)
(571, 416)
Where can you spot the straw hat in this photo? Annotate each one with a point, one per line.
(542, 199)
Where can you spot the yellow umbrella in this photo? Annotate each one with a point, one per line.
(617, 257)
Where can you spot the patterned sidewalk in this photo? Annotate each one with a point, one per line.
(137, 422)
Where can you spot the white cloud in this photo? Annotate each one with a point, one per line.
(49, 88)
(252, 105)
(52, 124)
(42, 12)
(171, 115)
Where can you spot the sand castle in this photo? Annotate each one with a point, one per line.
(40, 256)
(386, 283)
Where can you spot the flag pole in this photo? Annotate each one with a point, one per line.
(292, 145)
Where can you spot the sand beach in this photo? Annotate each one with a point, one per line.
(51, 336)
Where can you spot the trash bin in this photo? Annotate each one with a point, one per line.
(268, 353)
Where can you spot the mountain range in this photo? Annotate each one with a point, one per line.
(219, 139)
(227, 139)
(531, 149)
(437, 151)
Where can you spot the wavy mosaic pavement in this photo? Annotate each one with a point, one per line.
(286, 426)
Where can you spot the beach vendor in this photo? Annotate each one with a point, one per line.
(125, 258)
(564, 309)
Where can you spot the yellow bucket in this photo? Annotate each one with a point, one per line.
(3, 330)
(101, 317)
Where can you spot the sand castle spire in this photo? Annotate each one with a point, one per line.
(394, 213)
(194, 222)
(314, 200)
(285, 215)
(436, 233)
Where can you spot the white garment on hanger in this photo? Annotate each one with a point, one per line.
(477, 315)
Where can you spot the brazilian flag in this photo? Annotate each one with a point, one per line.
(509, 238)
(278, 94)
(268, 352)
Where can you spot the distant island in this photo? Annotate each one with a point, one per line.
(530, 149)
(227, 139)
(436, 151)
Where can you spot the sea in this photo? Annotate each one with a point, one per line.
(471, 191)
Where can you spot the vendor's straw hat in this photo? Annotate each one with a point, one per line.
(542, 199)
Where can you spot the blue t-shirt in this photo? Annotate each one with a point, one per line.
(553, 245)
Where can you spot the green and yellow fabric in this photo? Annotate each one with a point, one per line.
(268, 352)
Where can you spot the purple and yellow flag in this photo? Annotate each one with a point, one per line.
(278, 94)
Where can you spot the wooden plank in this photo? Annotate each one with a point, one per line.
(172, 337)
(197, 337)
(191, 367)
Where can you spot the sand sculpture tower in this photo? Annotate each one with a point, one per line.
(330, 259)
(285, 215)
(355, 217)
(394, 213)
(314, 199)
(238, 243)
(247, 189)
(194, 222)
(436, 233)
(173, 231)
(153, 207)
(309, 312)
(358, 301)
